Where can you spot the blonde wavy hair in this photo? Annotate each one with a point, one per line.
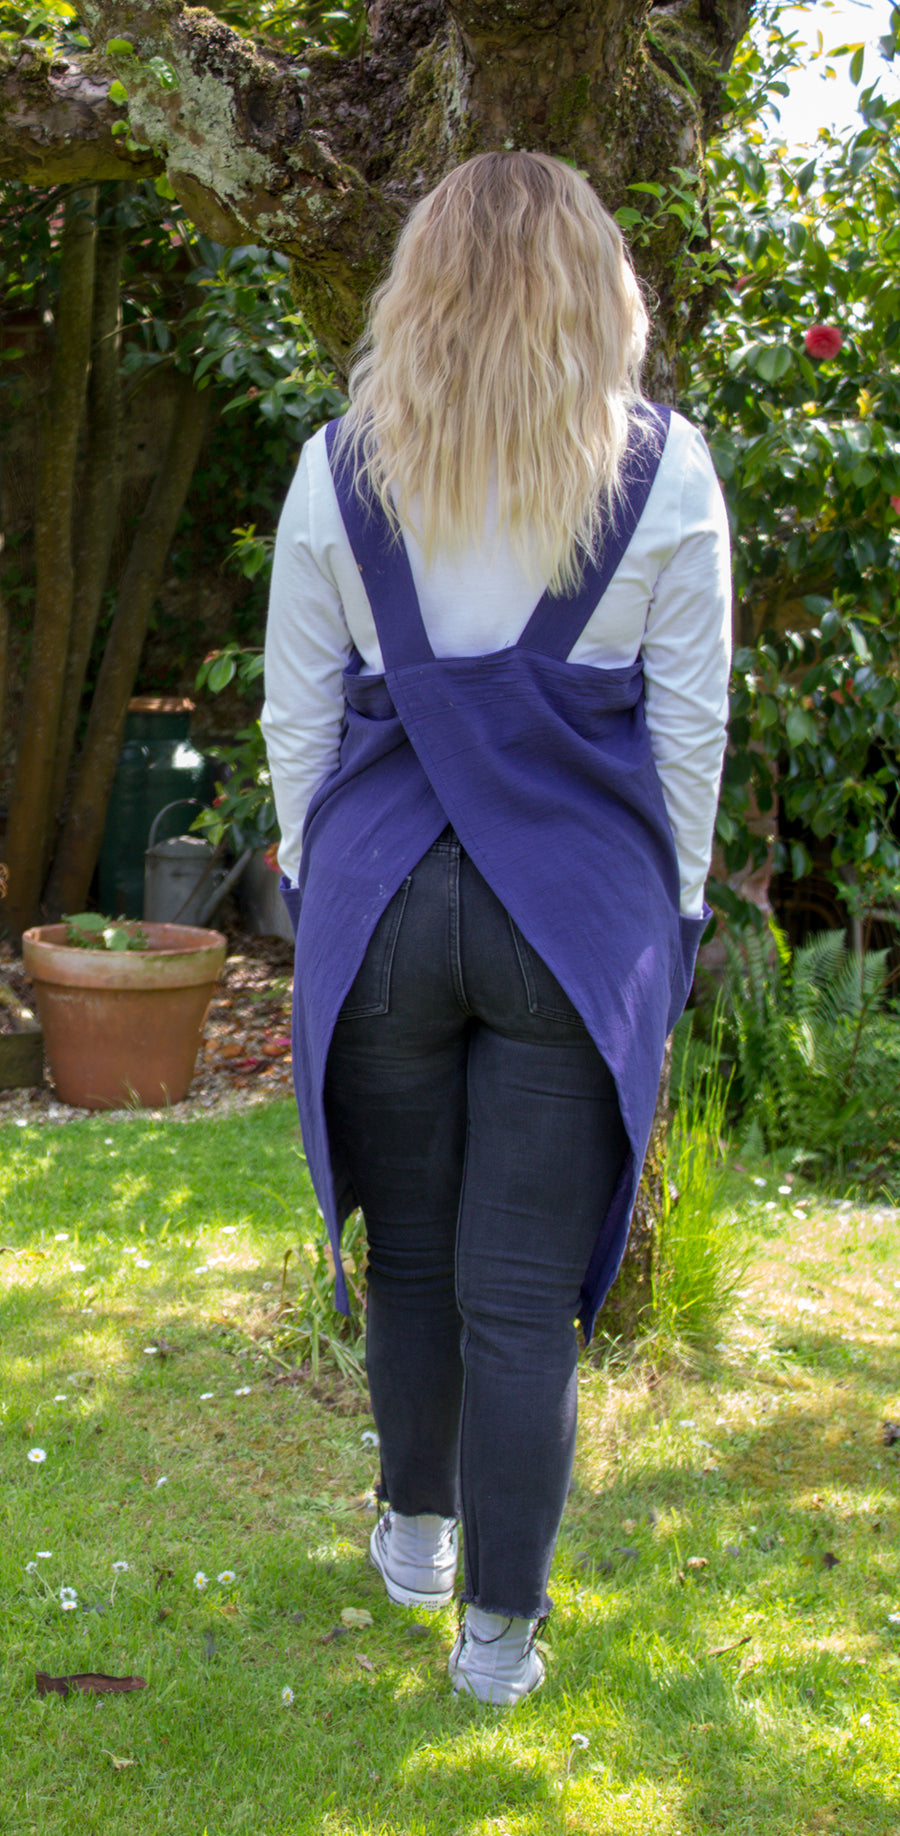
(505, 342)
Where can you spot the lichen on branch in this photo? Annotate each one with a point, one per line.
(321, 156)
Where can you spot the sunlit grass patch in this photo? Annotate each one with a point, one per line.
(718, 1671)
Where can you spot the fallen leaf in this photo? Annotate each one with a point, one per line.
(697, 1561)
(830, 1561)
(891, 1433)
(119, 1765)
(735, 1645)
(336, 1632)
(364, 1661)
(355, 1616)
(91, 1682)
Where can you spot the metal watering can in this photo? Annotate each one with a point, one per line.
(184, 879)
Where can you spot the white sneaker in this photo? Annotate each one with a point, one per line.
(494, 1658)
(416, 1558)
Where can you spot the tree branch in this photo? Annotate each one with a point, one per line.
(322, 156)
(56, 123)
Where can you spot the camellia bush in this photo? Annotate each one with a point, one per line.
(797, 385)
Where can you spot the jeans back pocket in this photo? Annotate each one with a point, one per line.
(547, 999)
(370, 991)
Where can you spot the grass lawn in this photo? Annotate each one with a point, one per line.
(724, 1653)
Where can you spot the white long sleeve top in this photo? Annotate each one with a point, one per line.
(669, 602)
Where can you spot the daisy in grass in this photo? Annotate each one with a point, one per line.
(37, 1456)
(287, 1695)
(200, 1580)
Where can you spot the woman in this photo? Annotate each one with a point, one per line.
(496, 673)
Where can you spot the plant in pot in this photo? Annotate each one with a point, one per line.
(122, 1006)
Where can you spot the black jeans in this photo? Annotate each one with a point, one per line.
(483, 1134)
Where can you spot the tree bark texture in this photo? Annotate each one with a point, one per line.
(79, 846)
(322, 156)
(98, 507)
(4, 647)
(61, 418)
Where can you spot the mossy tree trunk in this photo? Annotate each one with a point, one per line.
(60, 426)
(4, 646)
(322, 155)
(98, 507)
(79, 843)
(58, 803)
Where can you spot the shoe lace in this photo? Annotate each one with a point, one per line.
(467, 1632)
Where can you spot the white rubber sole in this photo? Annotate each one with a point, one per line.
(405, 1596)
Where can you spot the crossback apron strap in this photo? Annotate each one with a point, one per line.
(556, 624)
(383, 563)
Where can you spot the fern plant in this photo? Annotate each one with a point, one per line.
(804, 1036)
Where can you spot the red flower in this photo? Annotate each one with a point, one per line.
(823, 341)
(895, 504)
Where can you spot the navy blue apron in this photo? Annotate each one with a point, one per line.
(544, 769)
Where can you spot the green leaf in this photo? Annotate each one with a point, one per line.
(856, 63)
(774, 361)
(221, 673)
(800, 727)
(119, 47)
(118, 93)
(806, 175)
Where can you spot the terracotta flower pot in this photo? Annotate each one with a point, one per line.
(122, 1028)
